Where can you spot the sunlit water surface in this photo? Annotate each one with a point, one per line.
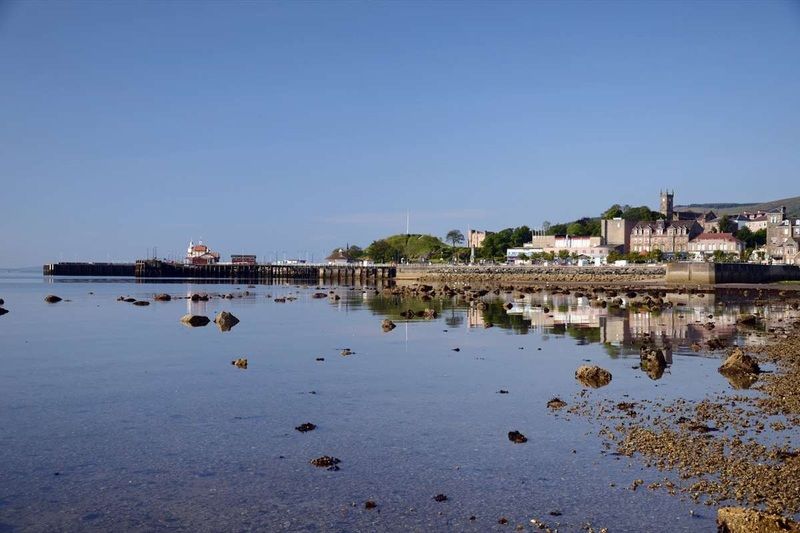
(117, 417)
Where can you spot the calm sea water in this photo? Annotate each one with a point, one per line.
(118, 417)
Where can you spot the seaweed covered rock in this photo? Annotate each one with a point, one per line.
(593, 376)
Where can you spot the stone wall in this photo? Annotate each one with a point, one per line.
(530, 274)
(714, 273)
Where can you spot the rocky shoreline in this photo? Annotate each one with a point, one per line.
(532, 274)
(729, 448)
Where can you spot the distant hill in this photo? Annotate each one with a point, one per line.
(792, 207)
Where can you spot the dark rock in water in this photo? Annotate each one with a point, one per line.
(593, 376)
(556, 403)
(3, 311)
(129, 300)
(163, 297)
(320, 358)
(716, 344)
(280, 300)
(239, 363)
(503, 521)
(652, 361)
(738, 361)
(225, 321)
(387, 325)
(747, 320)
(199, 297)
(456, 349)
(741, 520)
(141, 303)
(517, 437)
(326, 461)
(369, 504)
(120, 298)
(545, 309)
(408, 314)
(440, 498)
(346, 351)
(502, 391)
(195, 320)
(2, 301)
(319, 295)
(308, 426)
(52, 298)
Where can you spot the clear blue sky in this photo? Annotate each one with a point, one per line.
(294, 127)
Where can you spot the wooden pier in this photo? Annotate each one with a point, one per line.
(147, 269)
(90, 269)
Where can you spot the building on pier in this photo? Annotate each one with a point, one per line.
(200, 254)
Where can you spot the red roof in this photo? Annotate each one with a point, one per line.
(199, 248)
(716, 237)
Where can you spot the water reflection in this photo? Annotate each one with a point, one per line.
(687, 325)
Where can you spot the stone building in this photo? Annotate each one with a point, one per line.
(616, 233)
(783, 238)
(476, 237)
(669, 236)
(705, 244)
(708, 220)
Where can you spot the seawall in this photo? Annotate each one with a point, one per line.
(531, 274)
(716, 273)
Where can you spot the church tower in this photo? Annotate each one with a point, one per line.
(666, 204)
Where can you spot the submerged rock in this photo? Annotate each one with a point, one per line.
(141, 303)
(347, 351)
(556, 403)
(52, 298)
(195, 320)
(741, 520)
(747, 320)
(326, 461)
(3, 311)
(308, 426)
(440, 498)
(652, 361)
(225, 321)
(517, 437)
(129, 300)
(163, 297)
(239, 363)
(369, 504)
(387, 325)
(593, 376)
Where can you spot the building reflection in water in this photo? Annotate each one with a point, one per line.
(684, 324)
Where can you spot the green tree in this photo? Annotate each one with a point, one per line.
(382, 252)
(656, 255)
(726, 225)
(454, 237)
(615, 211)
(641, 213)
(575, 229)
(354, 252)
(563, 255)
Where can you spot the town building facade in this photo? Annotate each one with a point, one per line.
(704, 245)
(783, 238)
(669, 236)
